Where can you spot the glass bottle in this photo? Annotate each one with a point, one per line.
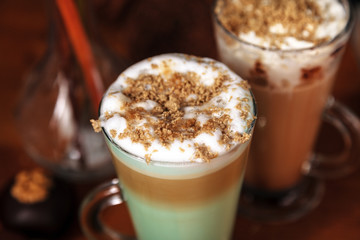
(54, 111)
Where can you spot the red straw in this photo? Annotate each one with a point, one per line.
(82, 50)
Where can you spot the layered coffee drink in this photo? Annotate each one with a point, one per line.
(179, 129)
(289, 50)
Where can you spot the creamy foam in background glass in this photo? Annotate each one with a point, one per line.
(182, 171)
(290, 52)
(284, 69)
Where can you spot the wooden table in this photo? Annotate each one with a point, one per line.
(139, 29)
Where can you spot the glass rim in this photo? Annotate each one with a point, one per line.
(182, 164)
(347, 29)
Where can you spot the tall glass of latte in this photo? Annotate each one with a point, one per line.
(179, 129)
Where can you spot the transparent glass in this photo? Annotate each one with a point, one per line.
(169, 200)
(292, 89)
(54, 109)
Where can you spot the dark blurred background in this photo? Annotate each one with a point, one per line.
(137, 29)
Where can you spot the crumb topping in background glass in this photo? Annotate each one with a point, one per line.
(282, 23)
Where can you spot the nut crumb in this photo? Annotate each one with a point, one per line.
(113, 133)
(31, 186)
(295, 18)
(147, 158)
(96, 124)
(204, 152)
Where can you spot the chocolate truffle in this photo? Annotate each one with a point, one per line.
(36, 204)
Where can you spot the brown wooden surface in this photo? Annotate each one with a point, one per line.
(138, 29)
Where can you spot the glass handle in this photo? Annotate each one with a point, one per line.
(343, 163)
(106, 195)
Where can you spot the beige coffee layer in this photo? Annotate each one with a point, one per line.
(285, 133)
(183, 192)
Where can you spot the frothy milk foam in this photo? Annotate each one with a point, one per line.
(334, 21)
(206, 70)
(284, 69)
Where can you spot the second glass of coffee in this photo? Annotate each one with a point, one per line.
(290, 52)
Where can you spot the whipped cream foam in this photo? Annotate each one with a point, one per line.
(283, 54)
(178, 108)
(282, 26)
(334, 19)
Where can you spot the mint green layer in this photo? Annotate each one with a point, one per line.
(212, 220)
